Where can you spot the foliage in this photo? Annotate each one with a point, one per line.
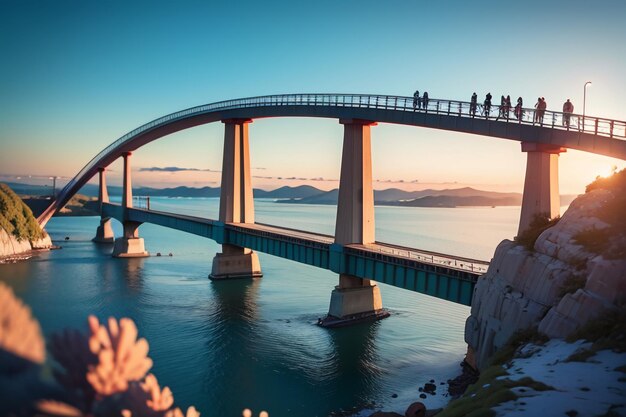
(537, 226)
(580, 355)
(572, 284)
(616, 181)
(609, 242)
(493, 387)
(593, 240)
(15, 216)
(20, 335)
(606, 331)
(489, 392)
(518, 339)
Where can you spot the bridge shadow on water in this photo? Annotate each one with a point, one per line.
(250, 357)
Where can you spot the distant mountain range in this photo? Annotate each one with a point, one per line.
(306, 194)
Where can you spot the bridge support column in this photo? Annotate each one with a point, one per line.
(130, 245)
(541, 185)
(236, 202)
(355, 299)
(104, 233)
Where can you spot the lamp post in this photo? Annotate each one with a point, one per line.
(585, 101)
(54, 186)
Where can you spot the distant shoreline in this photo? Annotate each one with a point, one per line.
(85, 203)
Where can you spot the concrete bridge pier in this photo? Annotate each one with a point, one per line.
(355, 299)
(130, 245)
(104, 233)
(541, 185)
(236, 203)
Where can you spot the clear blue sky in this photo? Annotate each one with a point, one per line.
(76, 75)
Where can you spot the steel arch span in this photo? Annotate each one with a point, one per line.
(590, 134)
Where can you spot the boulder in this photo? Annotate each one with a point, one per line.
(417, 409)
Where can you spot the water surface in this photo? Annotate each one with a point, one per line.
(225, 346)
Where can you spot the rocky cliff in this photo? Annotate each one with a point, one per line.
(19, 231)
(575, 270)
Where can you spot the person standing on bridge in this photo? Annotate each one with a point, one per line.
(537, 111)
(568, 109)
(417, 100)
(425, 100)
(541, 109)
(502, 107)
(473, 104)
(507, 105)
(487, 105)
(518, 108)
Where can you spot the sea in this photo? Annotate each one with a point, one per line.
(229, 345)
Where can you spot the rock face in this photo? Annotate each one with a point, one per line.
(523, 289)
(10, 246)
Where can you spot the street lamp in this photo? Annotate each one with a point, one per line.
(54, 185)
(585, 101)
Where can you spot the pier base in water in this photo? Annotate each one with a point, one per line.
(354, 300)
(129, 247)
(235, 262)
(104, 233)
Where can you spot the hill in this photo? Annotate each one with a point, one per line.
(306, 194)
(425, 198)
(16, 219)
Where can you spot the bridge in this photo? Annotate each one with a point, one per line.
(353, 251)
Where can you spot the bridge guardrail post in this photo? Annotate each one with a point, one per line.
(611, 129)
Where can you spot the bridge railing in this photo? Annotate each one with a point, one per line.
(529, 116)
(471, 265)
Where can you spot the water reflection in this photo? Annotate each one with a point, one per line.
(233, 371)
(236, 300)
(249, 354)
(132, 271)
(358, 376)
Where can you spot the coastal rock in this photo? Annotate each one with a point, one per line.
(417, 409)
(44, 243)
(385, 414)
(10, 246)
(524, 289)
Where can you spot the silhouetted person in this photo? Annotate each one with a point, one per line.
(507, 104)
(542, 109)
(518, 108)
(568, 109)
(417, 101)
(425, 100)
(487, 105)
(501, 110)
(473, 104)
(537, 111)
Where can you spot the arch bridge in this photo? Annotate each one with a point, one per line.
(353, 251)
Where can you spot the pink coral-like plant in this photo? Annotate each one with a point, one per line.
(177, 412)
(146, 398)
(121, 357)
(20, 334)
(71, 350)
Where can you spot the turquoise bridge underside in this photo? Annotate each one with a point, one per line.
(441, 276)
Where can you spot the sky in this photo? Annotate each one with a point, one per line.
(77, 75)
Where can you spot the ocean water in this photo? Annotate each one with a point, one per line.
(226, 346)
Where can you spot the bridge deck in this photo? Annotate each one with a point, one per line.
(443, 276)
(586, 133)
(454, 262)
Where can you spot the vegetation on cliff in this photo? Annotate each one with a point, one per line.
(537, 226)
(15, 216)
(609, 241)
